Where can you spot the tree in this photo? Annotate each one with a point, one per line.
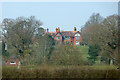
(94, 20)
(66, 55)
(105, 34)
(18, 33)
(93, 53)
(108, 37)
(44, 46)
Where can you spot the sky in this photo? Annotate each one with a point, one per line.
(65, 15)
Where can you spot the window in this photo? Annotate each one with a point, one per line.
(65, 37)
(77, 43)
(71, 38)
(58, 37)
(68, 37)
(12, 62)
(77, 37)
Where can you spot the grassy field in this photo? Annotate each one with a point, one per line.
(83, 51)
(59, 71)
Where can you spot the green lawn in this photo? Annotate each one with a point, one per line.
(83, 51)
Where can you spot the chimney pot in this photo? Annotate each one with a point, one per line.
(44, 30)
(47, 30)
(75, 29)
(81, 29)
(56, 30)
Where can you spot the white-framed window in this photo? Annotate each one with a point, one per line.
(12, 62)
(68, 37)
(58, 37)
(71, 38)
(65, 37)
(77, 37)
(76, 43)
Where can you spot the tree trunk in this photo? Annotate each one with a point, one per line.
(44, 59)
(111, 62)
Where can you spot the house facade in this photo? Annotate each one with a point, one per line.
(66, 37)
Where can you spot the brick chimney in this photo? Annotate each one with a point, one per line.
(44, 30)
(75, 29)
(81, 28)
(47, 30)
(56, 30)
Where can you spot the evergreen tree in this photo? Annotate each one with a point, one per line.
(93, 53)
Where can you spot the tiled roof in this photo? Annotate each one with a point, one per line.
(68, 33)
(52, 33)
(63, 33)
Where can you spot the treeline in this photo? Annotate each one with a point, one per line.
(102, 36)
(25, 39)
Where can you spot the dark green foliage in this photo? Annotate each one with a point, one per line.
(93, 53)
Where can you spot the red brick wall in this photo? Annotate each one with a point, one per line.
(68, 40)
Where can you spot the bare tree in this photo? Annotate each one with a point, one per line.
(95, 19)
(105, 34)
(44, 46)
(108, 37)
(18, 33)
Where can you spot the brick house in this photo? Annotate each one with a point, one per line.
(12, 62)
(66, 37)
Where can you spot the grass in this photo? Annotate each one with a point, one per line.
(83, 51)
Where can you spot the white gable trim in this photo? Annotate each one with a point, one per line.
(77, 34)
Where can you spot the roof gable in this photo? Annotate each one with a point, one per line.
(57, 33)
(77, 34)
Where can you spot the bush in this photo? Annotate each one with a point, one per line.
(66, 55)
(59, 72)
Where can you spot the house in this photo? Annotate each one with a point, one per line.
(66, 37)
(12, 61)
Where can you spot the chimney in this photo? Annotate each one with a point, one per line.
(44, 30)
(81, 28)
(47, 30)
(75, 29)
(56, 30)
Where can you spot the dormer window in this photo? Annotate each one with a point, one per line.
(77, 37)
(58, 37)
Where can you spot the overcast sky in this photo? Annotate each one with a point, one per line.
(65, 15)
